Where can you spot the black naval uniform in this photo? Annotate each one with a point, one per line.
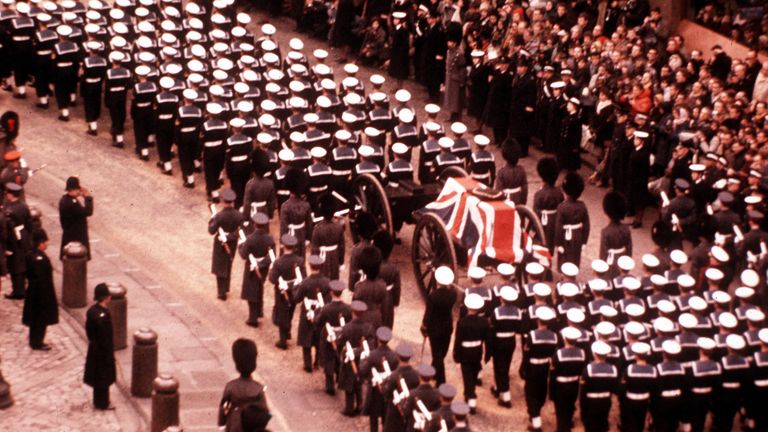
(45, 41)
(225, 222)
(472, 333)
(437, 325)
(238, 168)
(65, 77)
(506, 321)
(639, 383)
(212, 135)
(567, 366)
(255, 250)
(704, 378)
(115, 95)
(189, 119)
(599, 381)
(167, 103)
(141, 112)
(94, 70)
(539, 347)
(668, 399)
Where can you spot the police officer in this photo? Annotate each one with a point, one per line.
(257, 251)
(94, 70)
(167, 105)
(224, 226)
(567, 366)
(472, 332)
(437, 324)
(349, 347)
(115, 95)
(144, 93)
(373, 370)
(539, 345)
(311, 294)
(330, 319)
(598, 382)
(506, 322)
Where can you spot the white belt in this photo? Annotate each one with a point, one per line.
(44, 52)
(143, 104)
(761, 383)
(212, 143)
(316, 189)
(510, 192)
(188, 129)
(538, 361)
(545, 216)
(255, 206)
(471, 344)
(20, 38)
(240, 158)
(601, 395)
(65, 64)
(341, 172)
(283, 192)
(731, 385)
(165, 116)
(671, 393)
(570, 228)
(504, 335)
(92, 80)
(325, 249)
(477, 176)
(117, 89)
(638, 396)
(567, 379)
(612, 254)
(702, 390)
(292, 228)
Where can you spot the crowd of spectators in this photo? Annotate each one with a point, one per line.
(745, 21)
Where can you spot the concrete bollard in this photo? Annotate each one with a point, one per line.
(6, 400)
(118, 308)
(144, 364)
(165, 402)
(73, 287)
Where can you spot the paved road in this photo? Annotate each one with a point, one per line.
(161, 228)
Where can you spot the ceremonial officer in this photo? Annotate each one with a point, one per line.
(94, 70)
(354, 337)
(259, 195)
(115, 95)
(224, 226)
(667, 402)
(389, 272)
(286, 272)
(67, 61)
(599, 382)
(437, 324)
(374, 370)
(258, 252)
(571, 222)
(404, 376)
(539, 345)
(144, 93)
(311, 293)
(213, 133)
(166, 110)
(547, 199)
(482, 163)
(615, 238)
(506, 322)
(422, 400)
(567, 366)
(472, 332)
(442, 418)
(331, 318)
(19, 244)
(512, 180)
(638, 382)
(328, 237)
(99, 370)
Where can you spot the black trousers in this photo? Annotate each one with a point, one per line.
(353, 399)
(187, 144)
(666, 414)
(142, 127)
(101, 397)
(469, 371)
(43, 77)
(222, 286)
(254, 312)
(633, 415)
(535, 388)
(164, 139)
(213, 164)
(594, 413)
(502, 359)
(18, 287)
(91, 101)
(65, 86)
(699, 407)
(438, 345)
(564, 397)
(37, 335)
(117, 114)
(285, 332)
(306, 353)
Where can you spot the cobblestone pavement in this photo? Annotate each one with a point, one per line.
(47, 386)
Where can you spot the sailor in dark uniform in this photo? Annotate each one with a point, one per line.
(539, 345)
(571, 222)
(506, 322)
(167, 105)
(704, 377)
(399, 169)
(429, 150)
(115, 95)
(213, 134)
(444, 159)
(295, 212)
(437, 324)
(482, 163)
(21, 32)
(144, 92)
(731, 397)
(320, 175)
(366, 165)
(472, 332)
(547, 199)
(237, 165)
(615, 238)
(259, 195)
(405, 131)
(758, 395)
(189, 119)
(257, 251)
(461, 146)
(286, 272)
(567, 366)
(639, 382)
(379, 117)
(45, 40)
(342, 162)
(67, 64)
(94, 70)
(599, 382)
(668, 401)
(223, 226)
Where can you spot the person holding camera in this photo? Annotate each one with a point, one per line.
(73, 215)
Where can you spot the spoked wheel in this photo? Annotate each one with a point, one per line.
(452, 171)
(431, 248)
(531, 225)
(371, 198)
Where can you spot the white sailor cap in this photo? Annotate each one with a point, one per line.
(268, 29)
(365, 150)
(89, 28)
(696, 167)
(713, 274)
(626, 263)
(444, 275)
(44, 17)
(744, 293)
(398, 15)
(721, 297)
(197, 50)
(264, 138)
(318, 152)
(663, 325)
(706, 344)
(116, 56)
(218, 34)
(598, 284)
(237, 123)
(350, 82)
(599, 266)
(545, 313)
(402, 95)
(569, 269)
(557, 85)
(296, 86)
(755, 315)
(445, 142)
(477, 53)
(608, 311)
(377, 79)
(195, 78)
(671, 347)
(641, 348)
(323, 69)
(190, 94)
(697, 303)
(298, 68)
(534, 268)
(575, 315)
(272, 87)
(505, 269)
(343, 135)
(508, 293)
(371, 132)
(142, 70)
(245, 106)
(631, 283)
(353, 98)
(243, 18)
(481, 140)
(634, 310)
(297, 102)
(311, 118)
(147, 57)
(405, 116)
(64, 30)
(753, 199)
(195, 65)
(727, 320)
(399, 148)
(348, 117)
(719, 254)
(750, 278)
(166, 82)
(91, 15)
(238, 31)
(378, 96)
(144, 26)
(458, 128)
(216, 90)
(650, 260)
(666, 306)
(192, 8)
(678, 257)
(568, 289)
(224, 64)
(574, 101)
(328, 84)
(270, 58)
(219, 75)
(431, 108)
(93, 45)
(268, 45)
(686, 281)
(297, 56)
(763, 335)
(735, 342)
(432, 126)
(570, 333)
(275, 74)
(541, 289)
(634, 328)
(600, 348)
(641, 134)
(659, 280)
(296, 44)
(120, 28)
(118, 41)
(320, 54)
(473, 301)
(241, 88)
(605, 328)
(169, 51)
(351, 68)
(285, 155)
(687, 320)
